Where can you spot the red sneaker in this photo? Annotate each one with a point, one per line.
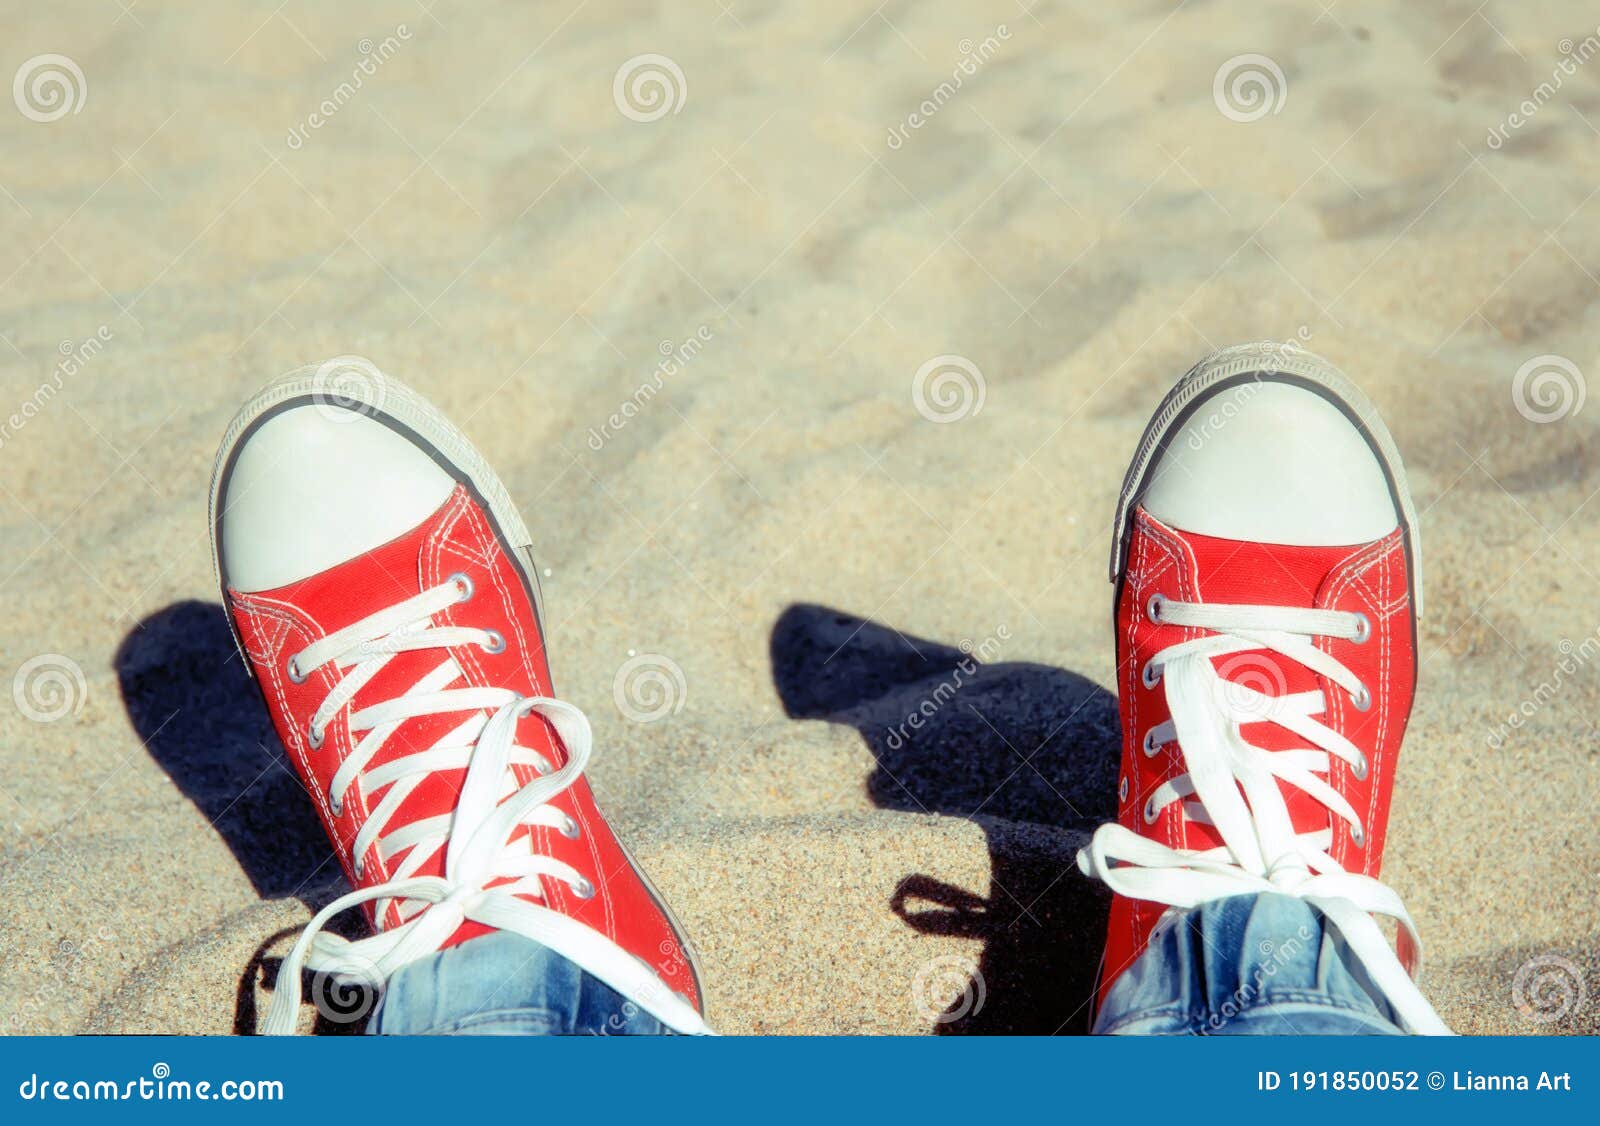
(381, 585)
(1268, 583)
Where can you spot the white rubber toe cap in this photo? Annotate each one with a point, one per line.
(1271, 463)
(315, 486)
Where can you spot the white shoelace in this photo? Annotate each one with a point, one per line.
(1235, 787)
(476, 835)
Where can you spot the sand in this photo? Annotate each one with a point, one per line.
(1077, 222)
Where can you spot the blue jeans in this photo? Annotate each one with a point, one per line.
(1246, 966)
(1252, 965)
(502, 984)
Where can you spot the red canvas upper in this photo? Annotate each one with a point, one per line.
(459, 538)
(1368, 578)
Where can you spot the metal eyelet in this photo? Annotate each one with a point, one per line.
(1360, 769)
(1363, 629)
(1152, 608)
(570, 830)
(496, 642)
(1151, 812)
(1362, 699)
(1122, 789)
(1151, 747)
(1150, 675)
(463, 585)
(293, 669)
(336, 803)
(314, 739)
(583, 889)
(1358, 836)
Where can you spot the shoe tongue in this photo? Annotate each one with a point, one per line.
(1262, 574)
(354, 590)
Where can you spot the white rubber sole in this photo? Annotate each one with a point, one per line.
(1268, 361)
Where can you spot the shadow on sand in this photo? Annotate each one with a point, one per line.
(1025, 751)
(203, 721)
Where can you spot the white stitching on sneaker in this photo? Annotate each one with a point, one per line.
(1236, 787)
(476, 836)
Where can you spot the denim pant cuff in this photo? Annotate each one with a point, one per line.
(1247, 965)
(502, 984)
